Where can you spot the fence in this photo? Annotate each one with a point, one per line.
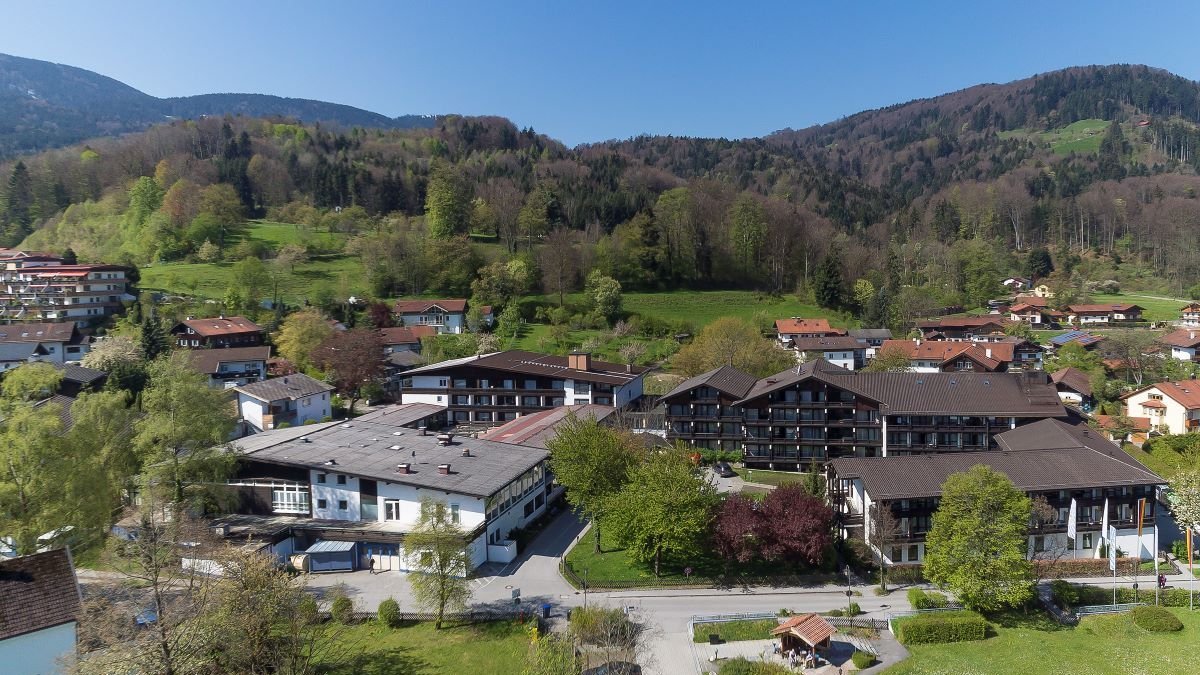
(1088, 610)
(855, 622)
(577, 580)
(474, 616)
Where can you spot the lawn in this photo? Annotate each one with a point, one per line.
(775, 478)
(1156, 308)
(1034, 645)
(211, 280)
(732, 631)
(700, 308)
(1083, 136)
(418, 649)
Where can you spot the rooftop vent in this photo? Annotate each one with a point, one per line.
(344, 426)
(305, 439)
(445, 439)
(579, 361)
(444, 469)
(403, 468)
(331, 462)
(466, 452)
(397, 433)
(420, 429)
(395, 447)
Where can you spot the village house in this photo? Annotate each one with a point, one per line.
(791, 329)
(1074, 387)
(842, 351)
(499, 387)
(217, 332)
(961, 327)
(873, 338)
(1082, 338)
(291, 400)
(56, 343)
(402, 339)
(1017, 284)
(1003, 354)
(1059, 462)
(347, 493)
(1183, 343)
(1085, 315)
(1121, 429)
(40, 606)
(41, 287)
(1034, 311)
(1172, 407)
(1189, 315)
(445, 316)
(233, 366)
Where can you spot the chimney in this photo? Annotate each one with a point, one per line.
(1191, 335)
(579, 361)
(403, 468)
(629, 368)
(466, 452)
(918, 341)
(421, 429)
(988, 352)
(444, 469)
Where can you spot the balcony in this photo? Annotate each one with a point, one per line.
(273, 420)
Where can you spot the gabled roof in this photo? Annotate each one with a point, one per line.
(943, 351)
(1084, 339)
(965, 322)
(406, 335)
(1110, 422)
(546, 365)
(871, 333)
(726, 379)
(1184, 337)
(208, 361)
(1074, 379)
(535, 429)
(812, 628)
(422, 306)
(1030, 307)
(290, 387)
(828, 343)
(37, 591)
(1103, 309)
(1191, 307)
(1031, 300)
(39, 332)
(798, 325)
(1184, 392)
(221, 325)
(11, 352)
(818, 369)
(1043, 456)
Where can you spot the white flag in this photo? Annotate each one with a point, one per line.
(1071, 522)
(1104, 523)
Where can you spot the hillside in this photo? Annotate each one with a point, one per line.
(47, 105)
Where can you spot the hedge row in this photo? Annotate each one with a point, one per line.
(1167, 597)
(1087, 567)
(941, 627)
(921, 599)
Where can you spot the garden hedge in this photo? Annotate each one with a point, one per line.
(920, 599)
(862, 660)
(1156, 619)
(941, 627)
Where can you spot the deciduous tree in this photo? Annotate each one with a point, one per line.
(795, 526)
(437, 551)
(1185, 498)
(735, 529)
(730, 341)
(593, 463)
(353, 358)
(447, 202)
(300, 334)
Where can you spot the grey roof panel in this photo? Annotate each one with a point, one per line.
(326, 546)
(726, 379)
(291, 387)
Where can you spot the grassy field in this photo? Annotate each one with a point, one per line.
(1083, 136)
(1100, 644)
(1156, 309)
(211, 280)
(701, 308)
(732, 631)
(418, 649)
(775, 478)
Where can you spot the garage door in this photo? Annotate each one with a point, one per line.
(331, 556)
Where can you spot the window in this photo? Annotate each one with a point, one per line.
(528, 508)
(342, 505)
(442, 382)
(1087, 540)
(321, 504)
(320, 478)
(454, 513)
(913, 554)
(530, 384)
(289, 499)
(896, 555)
(583, 387)
(581, 401)
(391, 509)
(1039, 544)
(341, 479)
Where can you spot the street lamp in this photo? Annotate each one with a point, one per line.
(849, 590)
(585, 588)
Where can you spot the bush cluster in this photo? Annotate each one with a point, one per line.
(862, 660)
(941, 627)
(921, 599)
(389, 613)
(342, 610)
(1091, 567)
(1156, 619)
(744, 666)
(852, 610)
(1065, 594)
(1167, 597)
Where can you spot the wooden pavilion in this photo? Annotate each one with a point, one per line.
(809, 631)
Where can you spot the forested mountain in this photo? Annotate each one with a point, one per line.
(46, 105)
(887, 212)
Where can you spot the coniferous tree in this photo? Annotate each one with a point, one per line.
(154, 338)
(829, 286)
(18, 205)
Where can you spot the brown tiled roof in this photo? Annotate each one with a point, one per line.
(1184, 337)
(532, 363)
(1074, 379)
(1032, 301)
(221, 325)
(1110, 422)
(37, 591)
(38, 332)
(421, 306)
(289, 387)
(1047, 455)
(965, 322)
(1191, 307)
(812, 628)
(794, 325)
(1102, 309)
(208, 361)
(726, 379)
(536, 428)
(943, 351)
(405, 336)
(1184, 392)
(828, 343)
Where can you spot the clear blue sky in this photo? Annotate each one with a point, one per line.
(589, 71)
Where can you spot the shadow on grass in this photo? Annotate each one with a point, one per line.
(391, 661)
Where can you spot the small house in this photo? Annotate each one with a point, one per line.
(217, 333)
(40, 605)
(291, 400)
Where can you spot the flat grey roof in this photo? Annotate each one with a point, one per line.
(371, 447)
(326, 546)
(403, 414)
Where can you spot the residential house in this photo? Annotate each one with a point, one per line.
(40, 604)
(933, 356)
(349, 492)
(873, 338)
(233, 366)
(1017, 284)
(217, 333)
(16, 354)
(843, 351)
(1189, 315)
(52, 342)
(1183, 343)
(534, 429)
(404, 339)
(1034, 311)
(1062, 463)
(499, 387)
(1084, 315)
(1074, 387)
(701, 410)
(1120, 429)
(1082, 338)
(291, 400)
(961, 327)
(446, 316)
(1173, 407)
(40, 287)
(795, 327)
(77, 379)
(1042, 291)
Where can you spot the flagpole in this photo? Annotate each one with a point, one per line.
(1137, 566)
(1155, 554)
(1191, 571)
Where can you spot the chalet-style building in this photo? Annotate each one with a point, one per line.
(1085, 315)
(804, 416)
(961, 327)
(446, 316)
(1183, 343)
(1173, 407)
(1074, 387)
(41, 605)
(57, 343)
(842, 351)
(404, 339)
(291, 400)
(1051, 459)
(1034, 311)
(41, 287)
(873, 338)
(233, 366)
(499, 387)
(795, 327)
(1189, 315)
(345, 494)
(933, 356)
(1134, 430)
(217, 333)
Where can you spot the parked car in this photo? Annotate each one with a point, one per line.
(723, 470)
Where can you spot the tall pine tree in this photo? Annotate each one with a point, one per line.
(829, 286)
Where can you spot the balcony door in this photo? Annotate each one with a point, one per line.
(368, 497)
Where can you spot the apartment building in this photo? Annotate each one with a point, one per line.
(56, 343)
(217, 332)
(42, 288)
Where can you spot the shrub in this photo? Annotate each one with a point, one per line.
(342, 609)
(905, 574)
(744, 666)
(1156, 619)
(1065, 594)
(941, 627)
(308, 610)
(854, 610)
(389, 613)
(862, 660)
(1179, 548)
(921, 599)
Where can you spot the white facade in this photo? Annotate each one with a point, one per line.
(43, 652)
(255, 369)
(262, 415)
(1183, 353)
(1162, 410)
(444, 322)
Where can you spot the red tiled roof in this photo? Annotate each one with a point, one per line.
(1191, 307)
(943, 351)
(965, 321)
(812, 628)
(1152, 403)
(1102, 309)
(1184, 392)
(1032, 300)
(419, 306)
(222, 325)
(37, 592)
(405, 336)
(795, 325)
(1184, 337)
(1110, 422)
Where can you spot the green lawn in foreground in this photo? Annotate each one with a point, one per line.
(1033, 646)
(775, 478)
(418, 649)
(731, 631)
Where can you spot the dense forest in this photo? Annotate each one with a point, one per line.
(898, 210)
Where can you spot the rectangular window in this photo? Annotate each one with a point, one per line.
(391, 509)
(342, 505)
(913, 554)
(1087, 540)
(454, 513)
(897, 554)
(321, 503)
(1039, 544)
(441, 383)
(341, 479)
(320, 478)
(528, 508)
(289, 499)
(530, 384)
